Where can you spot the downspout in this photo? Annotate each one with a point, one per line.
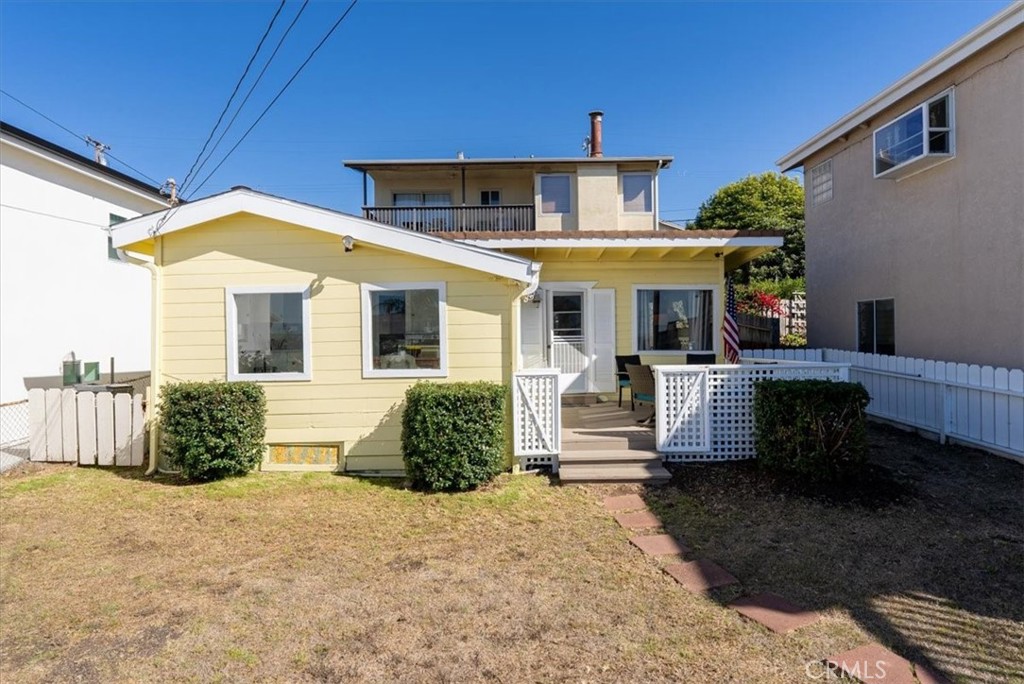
(156, 302)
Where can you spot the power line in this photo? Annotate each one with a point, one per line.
(81, 137)
(279, 94)
(259, 78)
(234, 92)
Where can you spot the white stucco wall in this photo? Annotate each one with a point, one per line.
(58, 290)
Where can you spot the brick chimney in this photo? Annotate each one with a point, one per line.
(595, 134)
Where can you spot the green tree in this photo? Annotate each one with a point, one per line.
(769, 201)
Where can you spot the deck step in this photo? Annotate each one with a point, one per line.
(609, 456)
(590, 442)
(612, 472)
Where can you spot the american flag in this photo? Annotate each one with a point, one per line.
(730, 330)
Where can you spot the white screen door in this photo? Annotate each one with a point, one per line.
(567, 323)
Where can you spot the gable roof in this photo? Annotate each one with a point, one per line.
(241, 200)
(992, 30)
(82, 162)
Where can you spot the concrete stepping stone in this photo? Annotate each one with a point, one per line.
(627, 502)
(640, 520)
(700, 576)
(659, 545)
(774, 612)
(875, 662)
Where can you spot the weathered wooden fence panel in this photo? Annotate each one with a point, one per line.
(86, 428)
(976, 405)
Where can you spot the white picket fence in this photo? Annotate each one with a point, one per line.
(979, 406)
(536, 417)
(706, 413)
(87, 428)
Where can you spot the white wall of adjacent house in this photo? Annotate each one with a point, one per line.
(60, 292)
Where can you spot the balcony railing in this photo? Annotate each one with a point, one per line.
(508, 218)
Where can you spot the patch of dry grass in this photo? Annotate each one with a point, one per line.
(106, 576)
(935, 571)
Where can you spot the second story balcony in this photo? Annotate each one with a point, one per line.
(465, 218)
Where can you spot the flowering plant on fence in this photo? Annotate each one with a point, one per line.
(760, 304)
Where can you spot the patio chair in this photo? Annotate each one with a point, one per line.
(622, 377)
(641, 385)
(700, 359)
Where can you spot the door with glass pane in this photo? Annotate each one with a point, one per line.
(568, 342)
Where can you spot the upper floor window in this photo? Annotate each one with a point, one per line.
(422, 199)
(490, 198)
(555, 195)
(637, 189)
(821, 183)
(925, 132)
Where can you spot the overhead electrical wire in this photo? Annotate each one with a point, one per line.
(255, 83)
(234, 92)
(278, 96)
(81, 137)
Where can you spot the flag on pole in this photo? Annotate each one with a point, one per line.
(730, 329)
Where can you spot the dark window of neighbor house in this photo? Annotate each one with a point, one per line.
(490, 198)
(876, 326)
(112, 253)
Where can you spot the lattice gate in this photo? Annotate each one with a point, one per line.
(682, 421)
(537, 417)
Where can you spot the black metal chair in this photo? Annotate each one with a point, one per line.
(700, 359)
(622, 376)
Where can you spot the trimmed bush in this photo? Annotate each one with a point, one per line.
(213, 430)
(813, 429)
(453, 435)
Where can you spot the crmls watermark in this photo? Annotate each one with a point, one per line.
(862, 670)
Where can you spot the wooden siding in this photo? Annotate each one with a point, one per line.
(338, 405)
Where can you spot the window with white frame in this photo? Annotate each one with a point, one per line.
(555, 194)
(637, 191)
(821, 183)
(876, 326)
(674, 319)
(269, 333)
(925, 131)
(404, 330)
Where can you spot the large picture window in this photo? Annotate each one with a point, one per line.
(268, 333)
(876, 326)
(674, 319)
(404, 331)
(922, 136)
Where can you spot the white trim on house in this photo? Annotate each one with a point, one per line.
(626, 242)
(244, 200)
(716, 316)
(231, 319)
(992, 30)
(366, 318)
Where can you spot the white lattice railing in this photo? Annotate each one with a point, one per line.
(537, 417)
(717, 423)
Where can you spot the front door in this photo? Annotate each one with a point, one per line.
(567, 325)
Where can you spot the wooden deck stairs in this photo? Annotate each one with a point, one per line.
(603, 443)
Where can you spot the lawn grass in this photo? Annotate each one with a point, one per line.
(108, 576)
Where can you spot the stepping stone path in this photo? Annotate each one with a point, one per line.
(874, 662)
(659, 545)
(701, 575)
(627, 502)
(774, 612)
(640, 520)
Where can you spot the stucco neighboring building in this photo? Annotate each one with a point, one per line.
(915, 209)
(63, 288)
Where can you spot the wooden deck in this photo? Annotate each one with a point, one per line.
(603, 443)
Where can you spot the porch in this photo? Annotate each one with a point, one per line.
(702, 413)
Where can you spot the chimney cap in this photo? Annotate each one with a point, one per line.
(596, 112)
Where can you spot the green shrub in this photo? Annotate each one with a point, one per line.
(453, 435)
(814, 429)
(784, 288)
(793, 340)
(213, 429)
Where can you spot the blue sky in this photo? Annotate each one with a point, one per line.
(726, 88)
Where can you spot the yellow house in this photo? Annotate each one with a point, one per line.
(561, 264)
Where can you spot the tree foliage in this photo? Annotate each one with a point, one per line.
(769, 201)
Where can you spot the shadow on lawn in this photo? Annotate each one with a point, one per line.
(927, 555)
